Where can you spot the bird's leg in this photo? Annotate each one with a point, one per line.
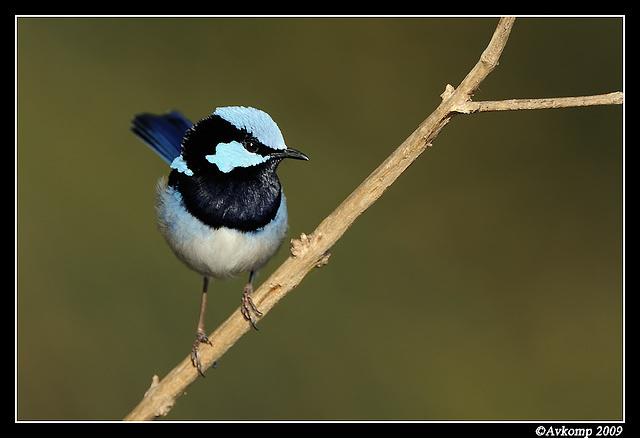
(201, 336)
(248, 308)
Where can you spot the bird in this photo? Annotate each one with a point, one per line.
(222, 210)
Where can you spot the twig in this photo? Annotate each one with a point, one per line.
(471, 107)
(313, 250)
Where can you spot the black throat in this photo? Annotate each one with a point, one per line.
(244, 199)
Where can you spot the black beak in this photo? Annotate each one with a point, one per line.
(290, 153)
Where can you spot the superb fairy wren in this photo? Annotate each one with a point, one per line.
(222, 210)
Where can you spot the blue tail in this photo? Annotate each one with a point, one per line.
(162, 133)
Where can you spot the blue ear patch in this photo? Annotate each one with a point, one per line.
(228, 156)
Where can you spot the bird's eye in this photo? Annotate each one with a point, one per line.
(251, 145)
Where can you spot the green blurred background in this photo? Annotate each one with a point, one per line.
(485, 284)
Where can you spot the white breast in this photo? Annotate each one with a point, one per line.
(218, 253)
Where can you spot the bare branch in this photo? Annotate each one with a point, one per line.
(313, 250)
(470, 107)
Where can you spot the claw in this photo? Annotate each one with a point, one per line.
(248, 308)
(201, 338)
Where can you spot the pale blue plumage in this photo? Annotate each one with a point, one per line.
(228, 156)
(181, 166)
(256, 122)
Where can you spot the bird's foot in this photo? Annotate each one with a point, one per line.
(248, 308)
(201, 338)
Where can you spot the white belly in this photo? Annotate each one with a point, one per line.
(218, 253)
